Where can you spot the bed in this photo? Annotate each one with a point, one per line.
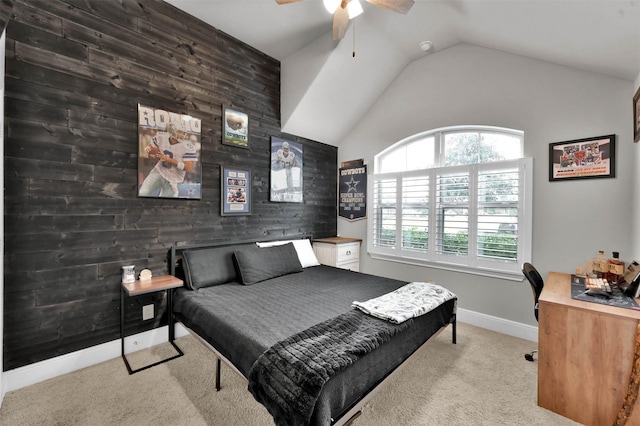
(286, 324)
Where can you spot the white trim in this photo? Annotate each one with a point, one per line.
(500, 325)
(50, 368)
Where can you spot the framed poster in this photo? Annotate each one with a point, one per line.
(353, 191)
(235, 128)
(636, 116)
(236, 192)
(583, 158)
(286, 171)
(168, 152)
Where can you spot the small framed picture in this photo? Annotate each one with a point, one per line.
(583, 158)
(636, 116)
(235, 192)
(235, 128)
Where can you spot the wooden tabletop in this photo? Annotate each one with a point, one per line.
(557, 290)
(337, 240)
(162, 282)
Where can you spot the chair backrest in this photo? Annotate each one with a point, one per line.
(536, 281)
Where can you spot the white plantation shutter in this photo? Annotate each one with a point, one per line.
(498, 196)
(384, 213)
(453, 213)
(415, 214)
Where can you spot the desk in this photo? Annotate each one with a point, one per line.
(585, 355)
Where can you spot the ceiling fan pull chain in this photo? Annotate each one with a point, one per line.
(354, 39)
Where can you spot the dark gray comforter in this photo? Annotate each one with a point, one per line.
(289, 376)
(242, 322)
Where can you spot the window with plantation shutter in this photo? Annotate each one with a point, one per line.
(467, 209)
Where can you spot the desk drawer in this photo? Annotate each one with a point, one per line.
(349, 252)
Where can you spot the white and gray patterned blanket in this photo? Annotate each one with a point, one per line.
(409, 301)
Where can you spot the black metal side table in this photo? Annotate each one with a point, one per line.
(162, 283)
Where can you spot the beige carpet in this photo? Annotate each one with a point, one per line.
(483, 380)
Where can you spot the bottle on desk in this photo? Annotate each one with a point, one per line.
(615, 272)
(600, 265)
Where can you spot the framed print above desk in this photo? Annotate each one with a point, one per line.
(583, 158)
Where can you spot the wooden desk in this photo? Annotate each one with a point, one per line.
(585, 355)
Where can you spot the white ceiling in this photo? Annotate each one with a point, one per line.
(599, 36)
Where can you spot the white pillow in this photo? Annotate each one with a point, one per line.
(306, 255)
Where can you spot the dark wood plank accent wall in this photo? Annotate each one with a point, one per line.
(75, 72)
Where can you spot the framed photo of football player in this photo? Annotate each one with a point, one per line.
(168, 154)
(235, 128)
(286, 171)
(235, 191)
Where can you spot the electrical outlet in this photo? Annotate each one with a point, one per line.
(147, 312)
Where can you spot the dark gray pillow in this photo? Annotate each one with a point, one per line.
(208, 267)
(257, 264)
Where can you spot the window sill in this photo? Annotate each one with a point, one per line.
(493, 273)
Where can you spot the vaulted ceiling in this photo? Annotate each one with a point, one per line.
(325, 89)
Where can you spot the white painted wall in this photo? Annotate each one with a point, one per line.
(467, 84)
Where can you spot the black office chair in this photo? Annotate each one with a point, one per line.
(537, 283)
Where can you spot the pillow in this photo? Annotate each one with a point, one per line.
(257, 264)
(208, 267)
(303, 247)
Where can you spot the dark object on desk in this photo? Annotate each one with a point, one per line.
(631, 288)
(537, 283)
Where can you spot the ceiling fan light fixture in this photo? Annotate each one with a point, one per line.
(331, 5)
(354, 8)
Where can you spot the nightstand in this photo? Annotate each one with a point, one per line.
(164, 283)
(339, 252)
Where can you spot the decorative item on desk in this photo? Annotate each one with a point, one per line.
(145, 274)
(600, 265)
(615, 270)
(129, 274)
(632, 271)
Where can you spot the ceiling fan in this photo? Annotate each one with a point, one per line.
(343, 10)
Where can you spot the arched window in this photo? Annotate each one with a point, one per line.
(455, 198)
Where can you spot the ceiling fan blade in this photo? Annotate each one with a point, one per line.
(400, 6)
(340, 22)
(286, 1)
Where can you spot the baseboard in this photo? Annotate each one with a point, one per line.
(501, 325)
(50, 368)
(44, 370)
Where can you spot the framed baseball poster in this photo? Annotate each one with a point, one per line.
(236, 192)
(168, 152)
